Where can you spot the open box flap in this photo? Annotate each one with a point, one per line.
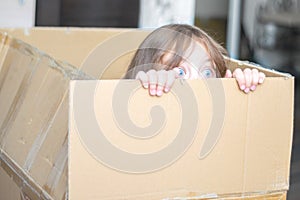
(251, 154)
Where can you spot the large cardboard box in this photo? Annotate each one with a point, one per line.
(205, 140)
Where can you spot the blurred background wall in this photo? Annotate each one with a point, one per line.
(17, 13)
(266, 32)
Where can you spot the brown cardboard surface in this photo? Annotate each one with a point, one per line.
(252, 152)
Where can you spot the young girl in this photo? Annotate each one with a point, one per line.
(183, 51)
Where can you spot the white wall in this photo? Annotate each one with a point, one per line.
(155, 13)
(17, 13)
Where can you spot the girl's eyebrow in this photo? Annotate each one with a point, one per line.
(207, 61)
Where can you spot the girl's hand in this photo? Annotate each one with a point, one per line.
(157, 82)
(247, 79)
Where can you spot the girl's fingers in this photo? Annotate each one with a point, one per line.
(239, 76)
(161, 82)
(255, 77)
(157, 81)
(248, 79)
(152, 76)
(142, 76)
(262, 77)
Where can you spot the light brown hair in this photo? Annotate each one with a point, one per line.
(174, 38)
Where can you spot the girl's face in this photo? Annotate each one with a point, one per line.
(196, 63)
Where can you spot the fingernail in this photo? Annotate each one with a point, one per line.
(253, 87)
(261, 80)
(159, 93)
(152, 92)
(243, 87)
(247, 90)
(166, 89)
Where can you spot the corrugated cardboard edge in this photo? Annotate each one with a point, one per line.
(247, 64)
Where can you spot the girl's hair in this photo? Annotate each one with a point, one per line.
(175, 39)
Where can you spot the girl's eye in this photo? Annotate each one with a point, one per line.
(207, 73)
(181, 72)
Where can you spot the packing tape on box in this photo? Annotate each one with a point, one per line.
(3, 48)
(58, 167)
(40, 139)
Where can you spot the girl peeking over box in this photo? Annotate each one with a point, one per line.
(180, 51)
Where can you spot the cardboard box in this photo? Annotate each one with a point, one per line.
(247, 157)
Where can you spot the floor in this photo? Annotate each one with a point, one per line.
(294, 191)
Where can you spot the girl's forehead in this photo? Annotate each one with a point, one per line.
(197, 55)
